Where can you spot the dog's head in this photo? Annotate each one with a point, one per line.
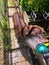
(34, 36)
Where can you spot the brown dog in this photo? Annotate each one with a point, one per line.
(31, 34)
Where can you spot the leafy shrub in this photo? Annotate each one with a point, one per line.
(4, 24)
(26, 4)
(36, 5)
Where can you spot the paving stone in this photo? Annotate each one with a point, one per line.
(10, 3)
(14, 41)
(17, 2)
(1, 63)
(11, 11)
(16, 59)
(11, 23)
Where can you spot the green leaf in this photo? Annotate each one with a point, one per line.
(4, 24)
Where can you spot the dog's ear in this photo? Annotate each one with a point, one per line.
(17, 26)
(19, 23)
(22, 28)
(16, 20)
